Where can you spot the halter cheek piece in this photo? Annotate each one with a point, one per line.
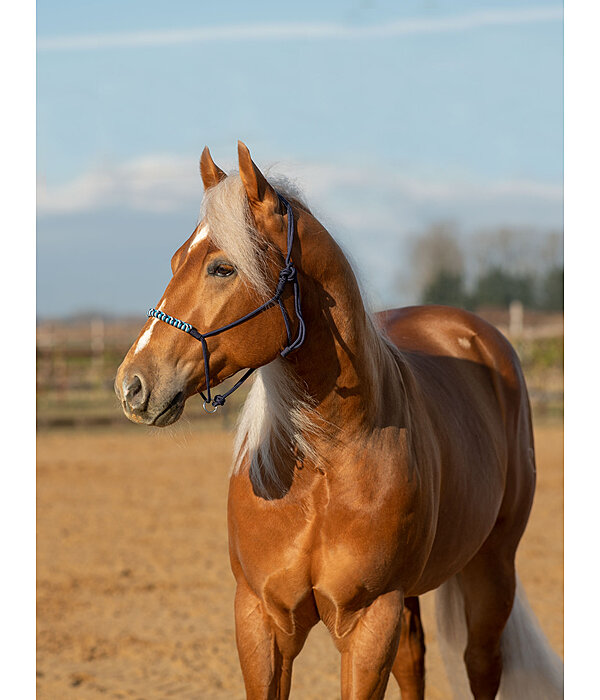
(287, 275)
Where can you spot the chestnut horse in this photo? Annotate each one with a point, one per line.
(375, 460)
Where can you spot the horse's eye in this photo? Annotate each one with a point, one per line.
(221, 269)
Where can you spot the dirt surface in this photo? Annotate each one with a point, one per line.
(135, 595)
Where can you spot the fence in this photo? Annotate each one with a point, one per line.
(77, 362)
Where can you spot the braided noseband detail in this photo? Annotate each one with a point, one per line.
(175, 322)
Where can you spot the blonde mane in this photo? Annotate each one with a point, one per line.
(278, 416)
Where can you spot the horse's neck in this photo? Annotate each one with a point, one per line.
(347, 368)
(332, 393)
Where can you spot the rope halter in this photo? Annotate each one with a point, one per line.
(287, 275)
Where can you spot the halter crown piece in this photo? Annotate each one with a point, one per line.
(287, 275)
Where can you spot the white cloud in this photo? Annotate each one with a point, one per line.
(303, 30)
(349, 196)
(319, 176)
(152, 183)
(373, 212)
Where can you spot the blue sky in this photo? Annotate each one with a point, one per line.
(391, 116)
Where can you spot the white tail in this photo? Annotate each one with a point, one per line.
(531, 670)
(452, 636)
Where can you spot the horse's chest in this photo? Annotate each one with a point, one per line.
(274, 541)
(334, 552)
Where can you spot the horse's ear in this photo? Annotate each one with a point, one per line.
(210, 171)
(259, 191)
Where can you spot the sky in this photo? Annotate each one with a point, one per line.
(390, 116)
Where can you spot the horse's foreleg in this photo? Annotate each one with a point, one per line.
(409, 665)
(368, 651)
(266, 652)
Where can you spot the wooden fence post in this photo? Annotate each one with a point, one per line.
(515, 319)
(97, 347)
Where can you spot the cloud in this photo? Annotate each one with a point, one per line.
(319, 176)
(147, 204)
(356, 196)
(303, 30)
(153, 183)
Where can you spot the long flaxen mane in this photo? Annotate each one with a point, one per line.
(278, 416)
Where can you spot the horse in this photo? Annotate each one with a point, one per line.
(377, 457)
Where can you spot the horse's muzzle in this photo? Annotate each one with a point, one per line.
(141, 404)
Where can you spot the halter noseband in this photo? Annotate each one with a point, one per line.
(287, 275)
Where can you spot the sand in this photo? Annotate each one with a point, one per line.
(135, 594)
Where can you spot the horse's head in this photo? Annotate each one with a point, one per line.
(227, 268)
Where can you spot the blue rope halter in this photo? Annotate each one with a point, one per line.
(287, 275)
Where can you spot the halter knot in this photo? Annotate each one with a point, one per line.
(287, 274)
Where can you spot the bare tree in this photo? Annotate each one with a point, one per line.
(434, 252)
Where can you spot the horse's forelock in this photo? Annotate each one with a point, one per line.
(226, 212)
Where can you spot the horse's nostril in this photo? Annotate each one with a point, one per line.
(135, 396)
(135, 386)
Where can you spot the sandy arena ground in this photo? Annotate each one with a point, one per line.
(135, 595)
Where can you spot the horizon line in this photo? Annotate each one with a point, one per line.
(301, 30)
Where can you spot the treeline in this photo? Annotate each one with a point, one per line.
(498, 288)
(488, 269)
